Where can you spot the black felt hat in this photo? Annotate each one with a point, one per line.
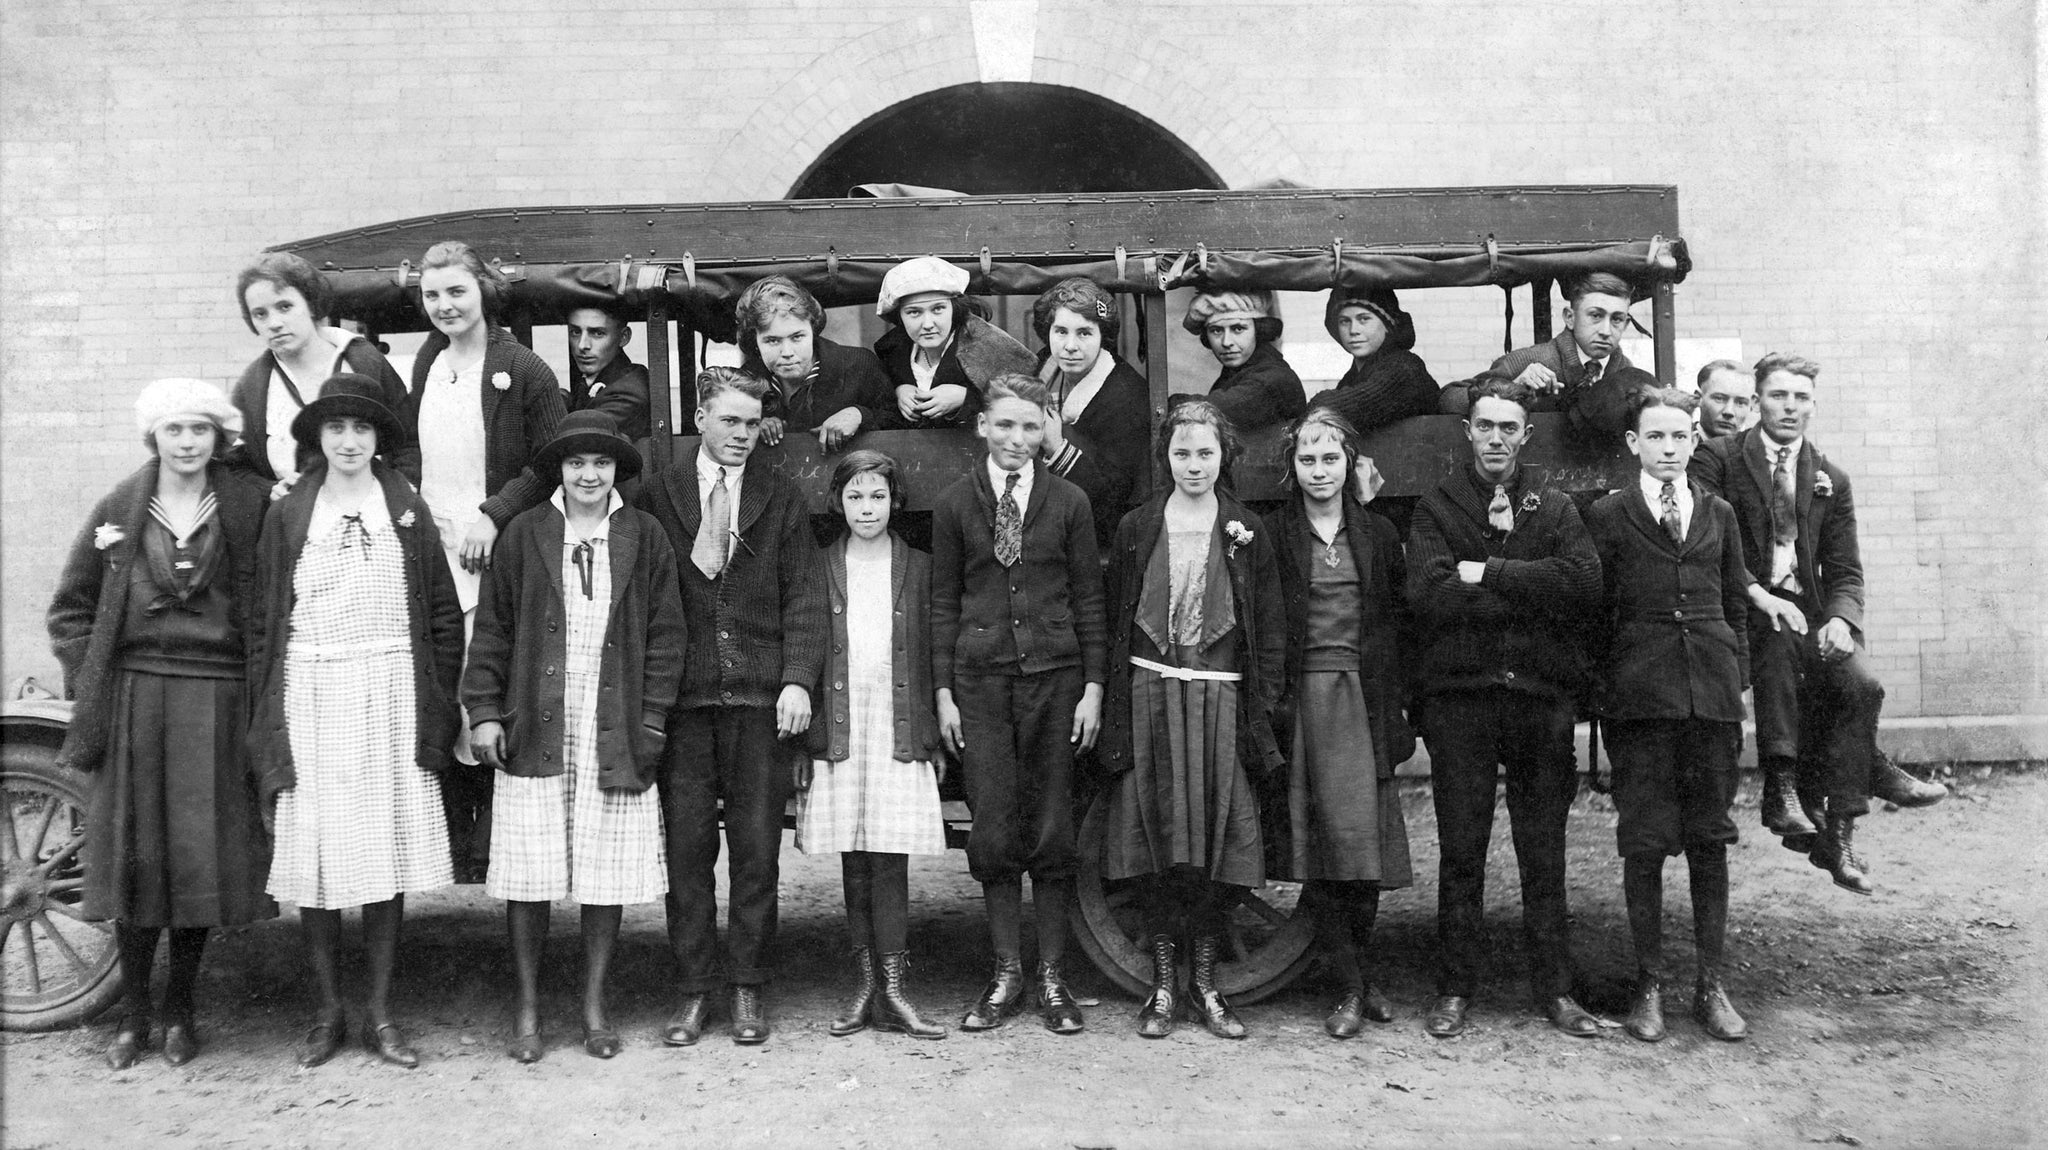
(347, 394)
(586, 432)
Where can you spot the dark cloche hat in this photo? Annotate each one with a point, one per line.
(347, 394)
(586, 432)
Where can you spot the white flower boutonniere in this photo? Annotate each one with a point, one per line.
(106, 535)
(1822, 485)
(1239, 536)
(408, 519)
(502, 380)
(1531, 502)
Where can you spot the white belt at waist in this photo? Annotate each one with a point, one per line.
(332, 652)
(1186, 674)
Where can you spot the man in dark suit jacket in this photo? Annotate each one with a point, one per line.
(1816, 701)
(1503, 580)
(602, 376)
(754, 600)
(1582, 372)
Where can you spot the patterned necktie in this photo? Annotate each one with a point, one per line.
(1009, 524)
(1668, 498)
(1784, 517)
(1593, 370)
(708, 552)
(1500, 514)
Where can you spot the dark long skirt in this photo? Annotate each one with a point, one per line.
(1345, 817)
(1186, 800)
(173, 834)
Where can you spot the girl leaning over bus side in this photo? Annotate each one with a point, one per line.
(870, 789)
(1342, 576)
(1198, 642)
(356, 657)
(150, 622)
(940, 356)
(576, 659)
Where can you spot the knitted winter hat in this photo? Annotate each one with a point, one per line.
(169, 399)
(1381, 302)
(1214, 305)
(914, 277)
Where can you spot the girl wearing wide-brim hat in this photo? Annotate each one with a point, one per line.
(939, 354)
(1257, 387)
(356, 659)
(150, 622)
(576, 659)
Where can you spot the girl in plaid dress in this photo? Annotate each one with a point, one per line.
(575, 662)
(356, 661)
(871, 791)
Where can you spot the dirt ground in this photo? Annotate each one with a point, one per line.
(1912, 1018)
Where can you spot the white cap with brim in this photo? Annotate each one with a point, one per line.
(176, 398)
(916, 277)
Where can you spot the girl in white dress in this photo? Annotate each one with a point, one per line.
(871, 790)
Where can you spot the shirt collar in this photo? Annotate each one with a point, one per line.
(613, 505)
(997, 478)
(1486, 486)
(1772, 447)
(1653, 489)
(708, 469)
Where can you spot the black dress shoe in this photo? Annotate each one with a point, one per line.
(130, 1039)
(1446, 1017)
(390, 1045)
(1376, 1007)
(1347, 1018)
(686, 1025)
(749, 1022)
(1001, 998)
(600, 1042)
(526, 1048)
(1056, 1005)
(1567, 1015)
(1715, 1013)
(1645, 1019)
(179, 1045)
(322, 1040)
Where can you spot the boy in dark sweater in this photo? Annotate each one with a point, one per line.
(1019, 653)
(1675, 665)
(1502, 579)
(754, 600)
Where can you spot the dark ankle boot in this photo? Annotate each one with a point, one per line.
(1895, 786)
(1056, 1005)
(1001, 998)
(1781, 813)
(1645, 1019)
(1206, 999)
(893, 1011)
(858, 1010)
(1835, 852)
(1715, 1013)
(1161, 1011)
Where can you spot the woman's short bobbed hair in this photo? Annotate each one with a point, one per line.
(284, 270)
(1083, 297)
(1317, 422)
(773, 296)
(868, 461)
(1196, 413)
(490, 282)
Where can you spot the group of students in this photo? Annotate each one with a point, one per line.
(292, 654)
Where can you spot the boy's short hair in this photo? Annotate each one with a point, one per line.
(1707, 372)
(715, 381)
(1645, 398)
(1494, 385)
(1598, 283)
(1781, 361)
(1017, 385)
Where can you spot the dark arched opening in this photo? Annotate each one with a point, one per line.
(991, 139)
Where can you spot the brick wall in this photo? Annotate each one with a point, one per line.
(1860, 182)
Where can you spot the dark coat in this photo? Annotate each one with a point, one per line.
(1828, 558)
(1043, 614)
(433, 621)
(1376, 551)
(1260, 392)
(980, 352)
(1384, 387)
(1523, 625)
(1261, 632)
(91, 602)
(518, 421)
(620, 391)
(911, 698)
(760, 625)
(1598, 414)
(1675, 620)
(846, 377)
(521, 645)
(1109, 448)
(252, 399)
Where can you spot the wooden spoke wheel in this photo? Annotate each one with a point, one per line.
(56, 969)
(1269, 938)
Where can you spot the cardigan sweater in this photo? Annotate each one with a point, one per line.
(1108, 448)
(1828, 558)
(1676, 633)
(980, 351)
(1260, 392)
(518, 420)
(252, 399)
(88, 611)
(1596, 414)
(517, 655)
(760, 625)
(433, 624)
(1523, 625)
(1384, 387)
(1376, 553)
(1261, 631)
(911, 695)
(619, 390)
(846, 377)
(1041, 614)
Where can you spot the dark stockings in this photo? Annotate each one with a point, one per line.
(1184, 902)
(878, 900)
(137, 949)
(526, 924)
(600, 937)
(1642, 884)
(1346, 913)
(322, 929)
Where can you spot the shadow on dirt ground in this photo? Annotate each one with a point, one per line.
(1911, 1019)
